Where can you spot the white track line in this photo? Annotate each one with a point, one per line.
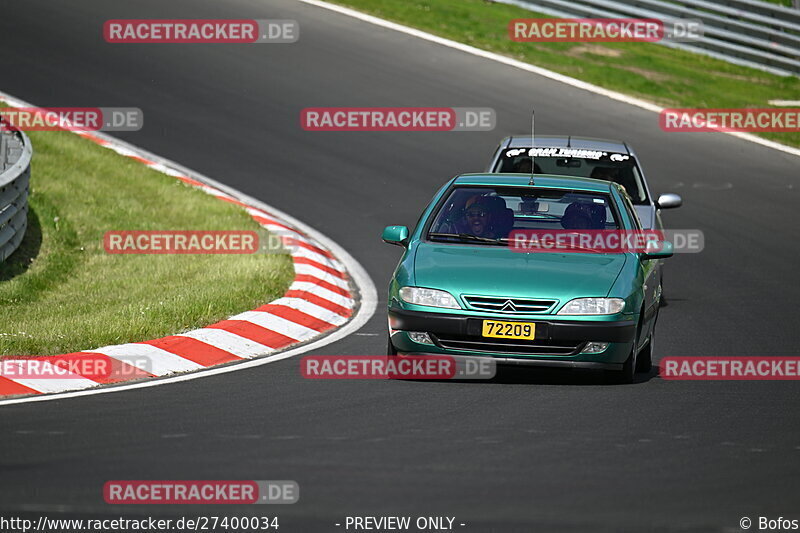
(530, 68)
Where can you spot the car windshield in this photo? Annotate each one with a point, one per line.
(610, 166)
(487, 215)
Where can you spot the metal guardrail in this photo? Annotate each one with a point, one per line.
(15, 172)
(752, 33)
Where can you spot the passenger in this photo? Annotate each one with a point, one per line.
(625, 179)
(605, 173)
(583, 215)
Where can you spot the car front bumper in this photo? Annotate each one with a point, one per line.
(558, 343)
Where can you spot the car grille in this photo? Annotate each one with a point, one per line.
(507, 346)
(519, 306)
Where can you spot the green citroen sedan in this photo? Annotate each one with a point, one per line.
(462, 289)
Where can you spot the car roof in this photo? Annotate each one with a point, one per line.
(547, 181)
(569, 141)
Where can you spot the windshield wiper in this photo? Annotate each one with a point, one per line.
(470, 237)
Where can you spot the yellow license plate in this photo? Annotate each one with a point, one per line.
(509, 330)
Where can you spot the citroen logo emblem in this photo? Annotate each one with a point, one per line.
(509, 306)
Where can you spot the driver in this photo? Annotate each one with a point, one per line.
(583, 215)
(478, 217)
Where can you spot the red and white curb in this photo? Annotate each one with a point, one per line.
(330, 290)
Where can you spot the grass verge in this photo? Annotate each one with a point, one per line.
(668, 77)
(61, 292)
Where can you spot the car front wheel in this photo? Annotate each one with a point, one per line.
(645, 359)
(626, 374)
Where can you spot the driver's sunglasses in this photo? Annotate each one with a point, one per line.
(476, 213)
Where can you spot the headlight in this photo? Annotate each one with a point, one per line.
(429, 297)
(593, 306)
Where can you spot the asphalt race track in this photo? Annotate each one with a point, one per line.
(529, 451)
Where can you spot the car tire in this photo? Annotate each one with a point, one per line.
(625, 375)
(390, 349)
(644, 363)
(645, 360)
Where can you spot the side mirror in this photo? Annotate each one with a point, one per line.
(669, 201)
(658, 250)
(395, 235)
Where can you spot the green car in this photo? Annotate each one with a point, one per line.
(461, 288)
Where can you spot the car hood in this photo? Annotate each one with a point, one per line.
(499, 271)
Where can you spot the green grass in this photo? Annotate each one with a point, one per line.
(61, 292)
(652, 72)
